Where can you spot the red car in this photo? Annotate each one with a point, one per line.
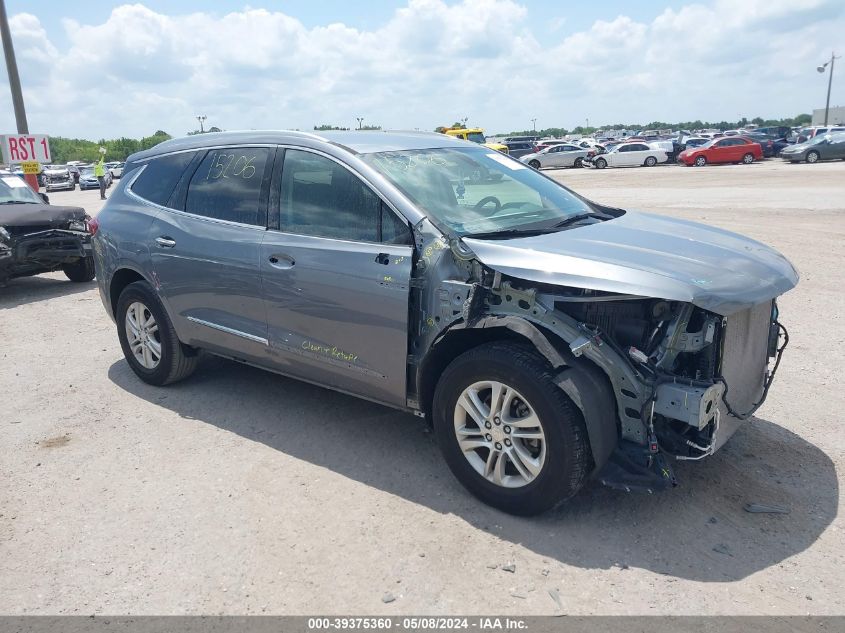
(728, 149)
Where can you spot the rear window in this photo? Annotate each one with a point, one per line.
(159, 178)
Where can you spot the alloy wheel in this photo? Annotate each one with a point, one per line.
(143, 335)
(812, 157)
(500, 434)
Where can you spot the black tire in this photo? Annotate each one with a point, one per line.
(813, 157)
(178, 361)
(651, 161)
(81, 270)
(567, 462)
(600, 163)
(748, 159)
(579, 162)
(534, 163)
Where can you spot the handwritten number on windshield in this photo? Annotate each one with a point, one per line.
(231, 165)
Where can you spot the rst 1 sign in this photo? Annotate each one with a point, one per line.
(24, 148)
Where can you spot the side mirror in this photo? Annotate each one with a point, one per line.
(45, 198)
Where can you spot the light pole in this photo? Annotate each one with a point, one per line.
(12, 70)
(360, 120)
(201, 118)
(821, 69)
(464, 120)
(534, 124)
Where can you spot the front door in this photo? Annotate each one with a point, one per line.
(335, 277)
(205, 252)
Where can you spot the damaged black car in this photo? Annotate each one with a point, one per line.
(37, 237)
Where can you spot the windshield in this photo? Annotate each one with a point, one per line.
(14, 189)
(476, 137)
(476, 190)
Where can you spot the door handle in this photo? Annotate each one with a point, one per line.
(283, 262)
(383, 258)
(165, 242)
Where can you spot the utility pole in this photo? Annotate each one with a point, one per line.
(201, 118)
(534, 124)
(821, 69)
(12, 69)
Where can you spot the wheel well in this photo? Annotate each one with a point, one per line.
(452, 345)
(119, 281)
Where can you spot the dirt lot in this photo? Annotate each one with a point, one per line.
(238, 491)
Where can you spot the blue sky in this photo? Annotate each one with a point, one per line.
(105, 69)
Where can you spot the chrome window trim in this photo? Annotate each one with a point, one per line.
(228, 330)
(195, 216)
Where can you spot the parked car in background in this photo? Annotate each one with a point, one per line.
(40, 177)
(824, 147)
(627, 155)
(115, 168)
(775, 131)
(730, 149)
(771, 145)
(37, 237)
(543, 326)
(87, 179)
(557, 156)
(519, 148)
(58, 178)
(805, 134)
(669, 147)
(74, 172)
(694, 141)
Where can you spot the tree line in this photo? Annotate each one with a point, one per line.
(63, 149)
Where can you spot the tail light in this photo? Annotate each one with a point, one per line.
(93, 226)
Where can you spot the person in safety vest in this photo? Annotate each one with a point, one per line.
(100, 173)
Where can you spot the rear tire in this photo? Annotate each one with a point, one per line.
(748, 159)
(176, 361)
(579, 162)
(557, 462)
(651, 161)
(81, 270)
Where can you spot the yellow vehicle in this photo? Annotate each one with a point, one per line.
(474, 134)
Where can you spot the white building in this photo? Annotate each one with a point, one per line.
(836, 115)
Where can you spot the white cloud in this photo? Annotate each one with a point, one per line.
(429, 64)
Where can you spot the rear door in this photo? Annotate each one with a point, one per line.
(335, 271)
(205, 251)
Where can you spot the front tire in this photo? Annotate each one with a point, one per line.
(534, 163)
(508, 433)
(700, 161)
(579, 162)
(813, 157)
(81, 270)
(600, 163)
(149, 342)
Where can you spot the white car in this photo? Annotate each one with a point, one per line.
(634, 154)
(115, 168)
(565, 155)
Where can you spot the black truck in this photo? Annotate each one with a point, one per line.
(37, 237)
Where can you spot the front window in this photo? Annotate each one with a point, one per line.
(14, 190)
(476, 137)
(477, 190)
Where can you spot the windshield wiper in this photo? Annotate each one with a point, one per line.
(19, 202)
(572, 219)
(505, 233)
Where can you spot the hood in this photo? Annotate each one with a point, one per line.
(651, 256)
(12, 215)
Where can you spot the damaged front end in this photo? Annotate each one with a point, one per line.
(31, 250)
(656, 379)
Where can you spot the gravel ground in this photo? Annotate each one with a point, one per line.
(239, 491)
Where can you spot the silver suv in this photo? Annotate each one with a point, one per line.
(547, 338)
